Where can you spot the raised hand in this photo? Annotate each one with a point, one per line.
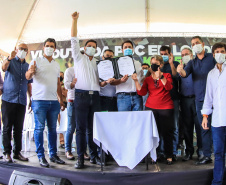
(12, 54)
(158, 74)
(171, 58)
(124, 78)
(75, 15)
(180, 67)
(134, 77)
(33, 68)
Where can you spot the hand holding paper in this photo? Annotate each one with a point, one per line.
(124, 78)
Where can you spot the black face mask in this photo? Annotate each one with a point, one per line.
(107, 58)
(61, 79)
(154, 67)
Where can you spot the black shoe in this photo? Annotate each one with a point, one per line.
(205, 160)
(96, 160)
(174, 158)
(43, 162)
(200, 157)
(20, 157)
(57, 160)
(187, 157)
(7, 158)
(180, 146)
(79, 164)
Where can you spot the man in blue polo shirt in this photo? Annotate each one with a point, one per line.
(199, 67)
(14, 100)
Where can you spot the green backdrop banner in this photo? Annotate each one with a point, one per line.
(144, 48)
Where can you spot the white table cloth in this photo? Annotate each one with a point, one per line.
(128, 136)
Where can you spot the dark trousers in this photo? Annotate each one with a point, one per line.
(13, 118)
(189, 118)
(206, 134)
(85, 105)
(108, 103)
(165, 123)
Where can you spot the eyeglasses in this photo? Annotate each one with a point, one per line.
(25, 49)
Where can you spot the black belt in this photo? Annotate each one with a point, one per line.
(128, 93)
(107, 97)
(191, 96)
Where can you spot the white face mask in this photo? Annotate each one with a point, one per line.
(186, 59)
(197, 48)
(220, 58)
(90, 51)
(48, 51)
(21, 54)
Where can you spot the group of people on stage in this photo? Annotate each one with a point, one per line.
(192, 90)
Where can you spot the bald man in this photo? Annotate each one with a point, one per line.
(14, 100)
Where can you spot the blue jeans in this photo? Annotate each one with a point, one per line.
(219, 142)
(176, 128)
(85, 105)
(129, 102)
(45, 111)
(71, 125)
(206, 134)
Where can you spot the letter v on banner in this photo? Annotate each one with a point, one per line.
(35, 54)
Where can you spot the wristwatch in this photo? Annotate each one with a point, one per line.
(8, 59)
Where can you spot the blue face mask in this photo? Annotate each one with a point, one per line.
(128, 51)
(165, 58)
(145, 71)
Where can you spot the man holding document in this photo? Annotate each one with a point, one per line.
(127, 97)
(108, 98)
(87, 100)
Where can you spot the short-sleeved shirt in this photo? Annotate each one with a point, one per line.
(199, 70)
(15, 82)
(45, 80)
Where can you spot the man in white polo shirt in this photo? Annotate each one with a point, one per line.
(87, 100)
(127, 97)
(45, 72)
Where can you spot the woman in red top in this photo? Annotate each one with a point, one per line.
(158, 85)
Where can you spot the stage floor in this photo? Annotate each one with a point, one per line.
(112, 166)
(180, 173)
